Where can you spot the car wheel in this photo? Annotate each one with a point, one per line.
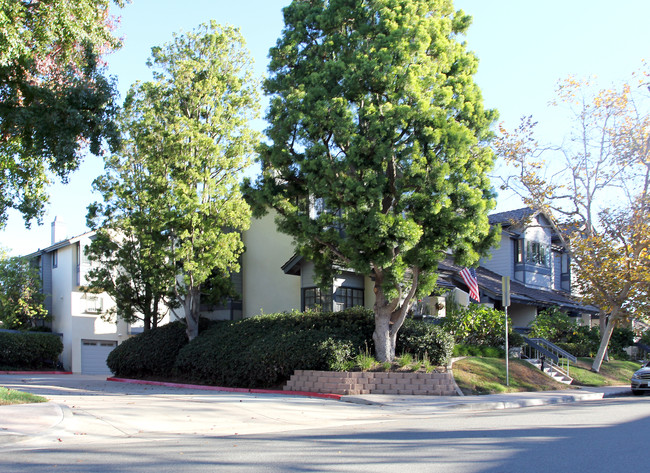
(637, 392)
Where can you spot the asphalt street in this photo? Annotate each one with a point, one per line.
(94, 425)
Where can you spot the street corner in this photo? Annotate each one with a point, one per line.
(21, 421)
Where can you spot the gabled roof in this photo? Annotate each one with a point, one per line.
(511, 217)
(490, 284)
(61, 244)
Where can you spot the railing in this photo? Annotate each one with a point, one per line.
(555, 355)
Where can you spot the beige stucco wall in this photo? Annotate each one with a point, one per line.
(69, 313)
(265, 287)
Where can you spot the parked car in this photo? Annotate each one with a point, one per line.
(640, 381)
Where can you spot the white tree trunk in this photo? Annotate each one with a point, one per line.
(606, 335)
(383, 336)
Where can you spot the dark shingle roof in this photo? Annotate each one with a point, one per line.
(490, 285)
(510, 217)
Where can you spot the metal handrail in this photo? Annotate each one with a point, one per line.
(554, 348)
(558, 359)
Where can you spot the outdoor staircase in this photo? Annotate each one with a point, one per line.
(551, 371)
(556, 362)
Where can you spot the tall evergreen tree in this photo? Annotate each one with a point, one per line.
(188, 141)
(378, 151)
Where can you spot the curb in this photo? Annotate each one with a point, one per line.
(35, 372)
(200, 387)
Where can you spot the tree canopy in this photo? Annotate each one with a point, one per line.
(377, 157)
(174, 190)
(54, 98)
(21, 299)
(594, 188)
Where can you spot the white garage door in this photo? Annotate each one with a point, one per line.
(93, 356)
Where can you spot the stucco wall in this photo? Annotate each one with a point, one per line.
(265, 287)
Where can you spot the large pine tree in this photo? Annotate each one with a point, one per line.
(378, 154)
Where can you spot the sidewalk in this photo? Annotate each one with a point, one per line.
(97, 408)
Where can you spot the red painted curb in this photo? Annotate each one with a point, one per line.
(201, 387)
(35, 372)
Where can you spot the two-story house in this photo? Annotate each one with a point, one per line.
(530, 254)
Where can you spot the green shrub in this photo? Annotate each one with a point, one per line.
(476, 325)
(264, 351)
(515, 340)
(150, 353)
(578, 349)
(31, 350)
(425, 340)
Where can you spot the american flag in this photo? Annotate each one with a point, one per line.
(469, 276)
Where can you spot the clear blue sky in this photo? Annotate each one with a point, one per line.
(524, 47)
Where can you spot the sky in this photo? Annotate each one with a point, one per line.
(524, 48)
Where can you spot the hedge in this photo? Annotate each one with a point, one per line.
(151, 353)
(264, 351)
(423, 339)
(31, 350)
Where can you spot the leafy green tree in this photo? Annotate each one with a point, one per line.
(54, 98)
(378, 155)
(178, 186)
(131, 246)
(21, 298)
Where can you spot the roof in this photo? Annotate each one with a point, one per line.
(511, 217)
(61, 244)
(490, 284)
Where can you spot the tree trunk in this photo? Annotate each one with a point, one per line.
(604, 343)
(383, 336)
(192, 312)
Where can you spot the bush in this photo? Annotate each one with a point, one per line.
(32, 350)
(424, 340)
(150, 353)
(264, 351)
(476, 325)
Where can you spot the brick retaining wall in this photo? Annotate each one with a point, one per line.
(367, 382)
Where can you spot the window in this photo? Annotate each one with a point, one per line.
(346, 297)
(537, 253)
(55, 258)
(519, 251)
(94, 303)
(314, 298)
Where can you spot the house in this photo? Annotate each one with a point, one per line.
(530, 254)
(87, 338)
(275, 279)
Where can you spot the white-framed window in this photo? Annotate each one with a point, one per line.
(55, 258)
(94, 303)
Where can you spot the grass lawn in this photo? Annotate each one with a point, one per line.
(11, 396)
(488, 376)
(614, 372)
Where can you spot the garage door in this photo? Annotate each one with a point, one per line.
(93, 356)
